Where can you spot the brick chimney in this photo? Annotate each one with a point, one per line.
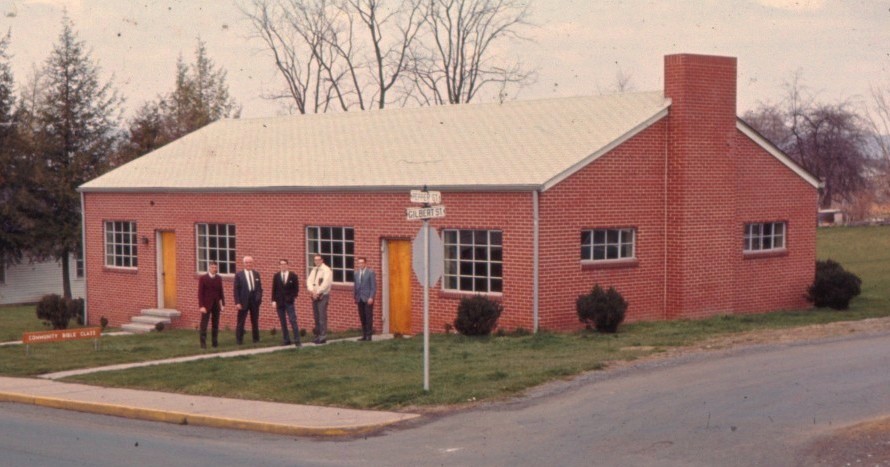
(702, 235)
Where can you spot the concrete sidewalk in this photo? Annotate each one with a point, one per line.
(267, 417)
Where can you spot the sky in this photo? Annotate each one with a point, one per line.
(839, 48)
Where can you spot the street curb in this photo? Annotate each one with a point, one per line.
(179, 418)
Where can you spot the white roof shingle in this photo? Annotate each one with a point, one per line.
(516, 145)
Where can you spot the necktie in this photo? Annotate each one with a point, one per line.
(360, 272)
(250, 281)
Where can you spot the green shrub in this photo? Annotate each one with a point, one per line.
(103, 322)
(76, 310)
(55, 311)
(833, 286)
(159, 326)
(477, 315)
(601, 309)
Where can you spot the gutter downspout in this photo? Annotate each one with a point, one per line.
(664, 277)
(83, 255)
(535, 261)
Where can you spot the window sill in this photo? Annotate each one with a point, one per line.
(120, 270)
(765, 254)
(587, 265)
(442, 293)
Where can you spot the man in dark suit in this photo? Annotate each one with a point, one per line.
(285, 288)
(248, 297)
(364, 290)
(211, 302)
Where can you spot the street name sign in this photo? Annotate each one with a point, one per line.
(432, 212)
(426, 197)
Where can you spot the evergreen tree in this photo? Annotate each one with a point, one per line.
(15, 201)
(200, 96)
(76, 120)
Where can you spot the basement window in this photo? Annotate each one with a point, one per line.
(608, 244)
(764, 236)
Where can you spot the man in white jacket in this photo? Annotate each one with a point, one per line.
(319, 285)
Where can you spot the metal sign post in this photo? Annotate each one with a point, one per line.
(424, 276)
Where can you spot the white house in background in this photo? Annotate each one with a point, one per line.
(27, 282)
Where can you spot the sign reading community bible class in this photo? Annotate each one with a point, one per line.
(61, 335)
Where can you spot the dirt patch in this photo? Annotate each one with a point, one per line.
(863, 444)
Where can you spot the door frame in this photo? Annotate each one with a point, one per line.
(384, 269)
(159, 265)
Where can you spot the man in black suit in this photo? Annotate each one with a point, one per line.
(285, 288)
(248, 297)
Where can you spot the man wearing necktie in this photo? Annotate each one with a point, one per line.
(364, 290)
(248, 297)
(285, 288)
(319, 285)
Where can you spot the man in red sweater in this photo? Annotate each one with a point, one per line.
(211, 302)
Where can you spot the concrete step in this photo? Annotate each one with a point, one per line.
(138, 328)
(152, 320)
(168, 313)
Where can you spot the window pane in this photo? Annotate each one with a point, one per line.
(611, 251)
(599, 252)
(612, 236)
(586, 237)
(466, 283)
(627, 250)
(466, 237)
(496, 237)
(496, 254)
(599, 237)
(586, 252)
(497, 285)
(450, 236)
(497, 270)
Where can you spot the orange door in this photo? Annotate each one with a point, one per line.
(168, 255)
(399, 286)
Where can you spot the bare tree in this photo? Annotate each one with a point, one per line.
(457, 55)
(828, 140)
(337, 54)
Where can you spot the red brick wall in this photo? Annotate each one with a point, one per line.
(624, 188)
(768, 191)
(702, 239)
(272, 226)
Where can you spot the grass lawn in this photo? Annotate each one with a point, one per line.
(18, 319)
(389, 374)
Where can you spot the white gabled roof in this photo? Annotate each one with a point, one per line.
(520, 145)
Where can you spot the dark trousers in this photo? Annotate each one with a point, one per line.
(320, 313)
(211, 315)
(366, 315)
(254, 309)
(286, 312)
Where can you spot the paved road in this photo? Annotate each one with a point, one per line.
(754, 406)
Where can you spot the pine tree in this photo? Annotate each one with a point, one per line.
(200, 97)
(15, 202)
(77, 118)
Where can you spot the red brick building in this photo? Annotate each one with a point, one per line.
(666, 196)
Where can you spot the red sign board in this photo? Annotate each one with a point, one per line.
(61, 335)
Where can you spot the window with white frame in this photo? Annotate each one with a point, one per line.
(474, 261)
(608, 244)
(78, 265)
(764, 236)
(120, 244)
(216, 242)
(337, 246)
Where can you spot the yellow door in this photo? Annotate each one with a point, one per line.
(168, 252)
(399, 286)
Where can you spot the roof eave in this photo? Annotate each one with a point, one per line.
(606, 149)
(314, 189)
(769, 147)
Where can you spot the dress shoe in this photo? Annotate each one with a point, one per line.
(320, 341)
